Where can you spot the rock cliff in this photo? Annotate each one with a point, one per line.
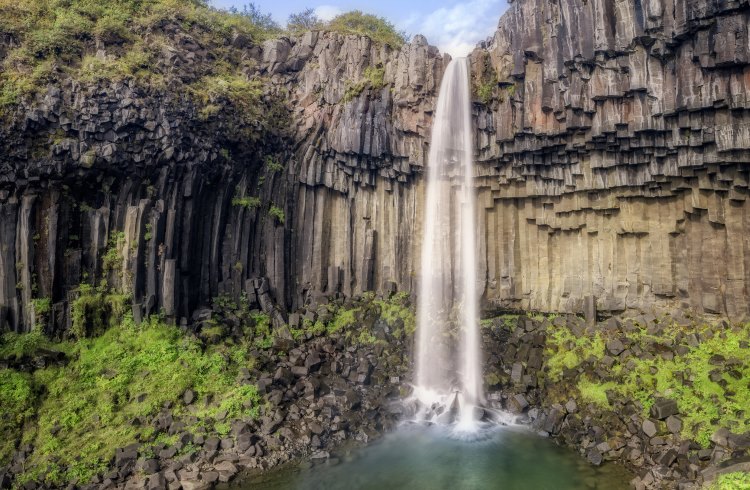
(612, 144)
(613, 155)
(137, 187)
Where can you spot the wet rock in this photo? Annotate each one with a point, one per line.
(518, 403)
(594, 457)
(188, 397)
(674, 424)
(226, 471)
(721, 437)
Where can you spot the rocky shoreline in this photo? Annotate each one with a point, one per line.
(322, 390)
(651, 443)
(319, 390)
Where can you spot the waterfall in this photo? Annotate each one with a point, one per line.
(448, 380)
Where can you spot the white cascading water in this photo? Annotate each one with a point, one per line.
(448, 381)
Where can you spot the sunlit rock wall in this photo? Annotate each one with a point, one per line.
(615, 155)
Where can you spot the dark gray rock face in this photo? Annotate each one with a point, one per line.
(144, 176)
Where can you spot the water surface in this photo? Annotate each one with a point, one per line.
(417, 457)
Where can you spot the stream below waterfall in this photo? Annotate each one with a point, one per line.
(419, 457)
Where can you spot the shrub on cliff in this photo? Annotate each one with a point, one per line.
(304, 21)
(109, 39)
(376, 28)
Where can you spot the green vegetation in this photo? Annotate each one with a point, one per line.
(485, 82)
(53, 37)
(114, 384)
(566, 351)
(376, 28)
(731, 481)
(17, 397)
(396, 312)
(344, 318)
(236, 89)
(507, 321)
(277, 213)
(373, 78)
(42, 309)
(304, 21)
(486, 91)
(707, 376)
(595, 393)
(112, 40)
(96, 309)
(246, 202)
(273, 165)
(76, 415)
(112, 258)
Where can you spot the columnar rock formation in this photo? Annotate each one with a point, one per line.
(613, 145)
(135, 187)
(616, 154)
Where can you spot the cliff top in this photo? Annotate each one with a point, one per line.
(153, 41)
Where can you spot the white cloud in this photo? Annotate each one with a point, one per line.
(327, 12)
(456, 30)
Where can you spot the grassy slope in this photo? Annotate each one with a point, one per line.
(709, 380)
(52, 40)
(75, 416)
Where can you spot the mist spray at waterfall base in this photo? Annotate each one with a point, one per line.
(448, 382)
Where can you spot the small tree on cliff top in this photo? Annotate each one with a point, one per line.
(376, 28)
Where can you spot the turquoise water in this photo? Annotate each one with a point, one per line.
(429, 458)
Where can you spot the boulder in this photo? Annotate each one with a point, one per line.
(663, 408)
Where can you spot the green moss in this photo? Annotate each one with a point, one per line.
(708, 395)
(343, 319)
(595, 393)
(738, 480)
(96, 309)
(18, 399)
(366, 338)
(397, 313)
(42, 309)
(566, 351)
(246, 202)
(373, 78)
(273, 165)
(262, 330)
(486, 91)
(277, 213)
(113, 258)
(130, 371)
(376, 28)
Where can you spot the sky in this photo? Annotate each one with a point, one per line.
(455, 26)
